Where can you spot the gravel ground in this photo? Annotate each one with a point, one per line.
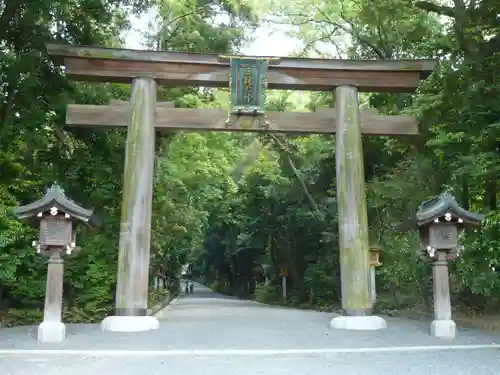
(207, 333)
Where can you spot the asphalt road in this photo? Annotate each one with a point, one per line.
(210, 334)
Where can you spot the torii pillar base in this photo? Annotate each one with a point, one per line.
(444, 329)
(129, 324)
(358, 323)
(51, 331)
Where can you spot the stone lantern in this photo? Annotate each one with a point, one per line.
(439, 221)
(57, 217)
(374, 262)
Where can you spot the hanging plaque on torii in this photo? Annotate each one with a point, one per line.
(248, 84)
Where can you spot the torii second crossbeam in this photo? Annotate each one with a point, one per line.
(323, 121)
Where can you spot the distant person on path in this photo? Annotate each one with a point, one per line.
(189, 287)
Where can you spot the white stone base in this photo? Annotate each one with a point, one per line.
(129, 323)
(444, 329)
(359, 323)
(51, 332)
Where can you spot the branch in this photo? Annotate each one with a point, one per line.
(439, 9)
(384, 40)
(362, 40)
(296, 172)
(162, 43)
(337, 26)
(11, 9)
(193, 11)
(323, 38)
(351, 32)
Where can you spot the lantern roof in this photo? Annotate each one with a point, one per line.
(54, 198)
(445, 205)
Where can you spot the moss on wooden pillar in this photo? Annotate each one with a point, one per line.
(135, 226)
(351, 197)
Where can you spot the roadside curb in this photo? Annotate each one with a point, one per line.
(428, 317)
(161, 313)
(163, 304)
(277, 306)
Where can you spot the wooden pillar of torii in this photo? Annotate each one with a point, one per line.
(145, 69)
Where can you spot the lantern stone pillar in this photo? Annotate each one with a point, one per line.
(52, 329)
(374, 262)
(442, 325)
(353, 223)
(135, 227)
(373, 283)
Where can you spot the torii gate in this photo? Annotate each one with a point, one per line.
(145, 69)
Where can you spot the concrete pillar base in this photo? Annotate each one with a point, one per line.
(359, 323)
(129, 323)
(51, 332)
(444, 329)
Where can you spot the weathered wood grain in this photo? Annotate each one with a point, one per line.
(66, 50)
(135, 224)
(114, 102)
(441, 287)
(191, 69)
(351, 198)
(54, 290)
(320, 122)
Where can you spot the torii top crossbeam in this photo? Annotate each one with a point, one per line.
(196, 69)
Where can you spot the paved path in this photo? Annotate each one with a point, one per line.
(210, 334)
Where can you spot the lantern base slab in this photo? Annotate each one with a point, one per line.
(51, 332)
(358, 323)
(129, 323)
(444, 329)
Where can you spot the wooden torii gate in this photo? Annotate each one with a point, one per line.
(143, 115)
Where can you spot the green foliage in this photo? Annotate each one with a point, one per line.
(15, 317)
(323, 282)
(157, 297)
(477, 269)
(217, 286)
(268, 293)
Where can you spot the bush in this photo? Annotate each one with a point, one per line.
(386, 303)
(323, 282)
(267, 293)
(91, 313)
(21, 317)
(156, 296)
(217, 286)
